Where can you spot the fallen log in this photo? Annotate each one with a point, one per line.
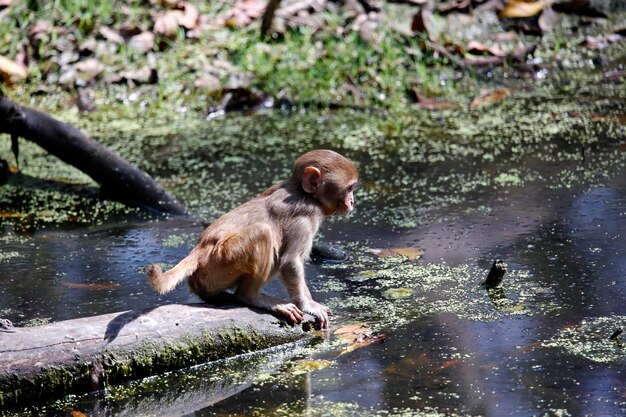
(91, 353)
(117, 177)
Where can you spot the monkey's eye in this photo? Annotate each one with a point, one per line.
(354, 186)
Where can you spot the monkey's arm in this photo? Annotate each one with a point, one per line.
(292, 271)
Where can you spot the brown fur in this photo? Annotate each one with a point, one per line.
(270, 234)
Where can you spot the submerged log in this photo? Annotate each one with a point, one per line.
(87, 354)
(117, 177)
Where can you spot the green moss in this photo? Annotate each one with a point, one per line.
(148, 359)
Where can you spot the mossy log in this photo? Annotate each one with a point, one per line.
(91, 353)
(117, 177)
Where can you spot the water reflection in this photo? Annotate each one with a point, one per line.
(570, 240)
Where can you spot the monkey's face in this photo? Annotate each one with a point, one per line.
(335, 199)
(330, 178)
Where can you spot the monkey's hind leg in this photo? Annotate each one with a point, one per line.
(250, 251)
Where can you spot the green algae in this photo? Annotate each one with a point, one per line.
(591, 339)
(323, 407)
(398, 292)
(214, 165)
(120, 364)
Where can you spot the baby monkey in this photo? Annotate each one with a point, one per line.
(270, 234)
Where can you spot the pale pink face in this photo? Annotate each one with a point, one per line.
(346, 201)
(337, 200)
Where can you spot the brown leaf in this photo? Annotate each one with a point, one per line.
(87, 286)
(480, 61)
(475, 47)
(453, 5)
(40, 27)
(353, 332)
(522, 8)
(520, 52)
(208, 83)
(615, 75)
(88, 69)
(601, 42)
(357, 336)
(111, 35)
(422, 23)
(11, 71)
(243, 12)
(166, 23)
(85, 100)
(547, 20)
(433, 103)
(491, 96)
(451, 362)
(143, 42)
(411, 253)
(76, 413)
(362, 344)
(189, 19)
(505, 36)
(10, 215)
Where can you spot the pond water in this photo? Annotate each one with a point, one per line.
(528, 182)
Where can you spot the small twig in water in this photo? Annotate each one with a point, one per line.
(496, 274)
(616, 333)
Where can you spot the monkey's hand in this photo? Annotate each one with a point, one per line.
(319, 311)
(289, 310)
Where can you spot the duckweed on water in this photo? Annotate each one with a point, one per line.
(187, 240)
(214, 165)
(591, 339)
(393, 291)
(318, 406)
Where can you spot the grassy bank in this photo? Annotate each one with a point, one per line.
(119, 51)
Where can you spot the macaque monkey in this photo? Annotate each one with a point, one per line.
(270, 234)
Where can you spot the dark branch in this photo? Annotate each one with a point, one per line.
(117, 177)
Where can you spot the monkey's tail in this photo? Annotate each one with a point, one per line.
(166, 281)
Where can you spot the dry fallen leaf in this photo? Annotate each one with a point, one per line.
(505, 36)
(547, 20)
(89, 69)
(432, 103)
(111, 35)
(166, 23)
(411, 253)
(522, 8)
(491, 96)
(143, 42)
(423, 23)
(11, 71)
(351, 333)
(356, 336)
(475, 47)
(451, 362)
(189, 19)
(208, 83)
(10, 215)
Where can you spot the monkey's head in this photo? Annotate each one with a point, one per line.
(329, 178)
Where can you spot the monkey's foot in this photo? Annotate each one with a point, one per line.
(290, 311)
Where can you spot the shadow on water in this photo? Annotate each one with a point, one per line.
(537, 345)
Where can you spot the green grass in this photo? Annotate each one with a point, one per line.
(323, 67)
(326, 66)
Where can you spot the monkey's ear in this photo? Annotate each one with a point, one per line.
(311, 179)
